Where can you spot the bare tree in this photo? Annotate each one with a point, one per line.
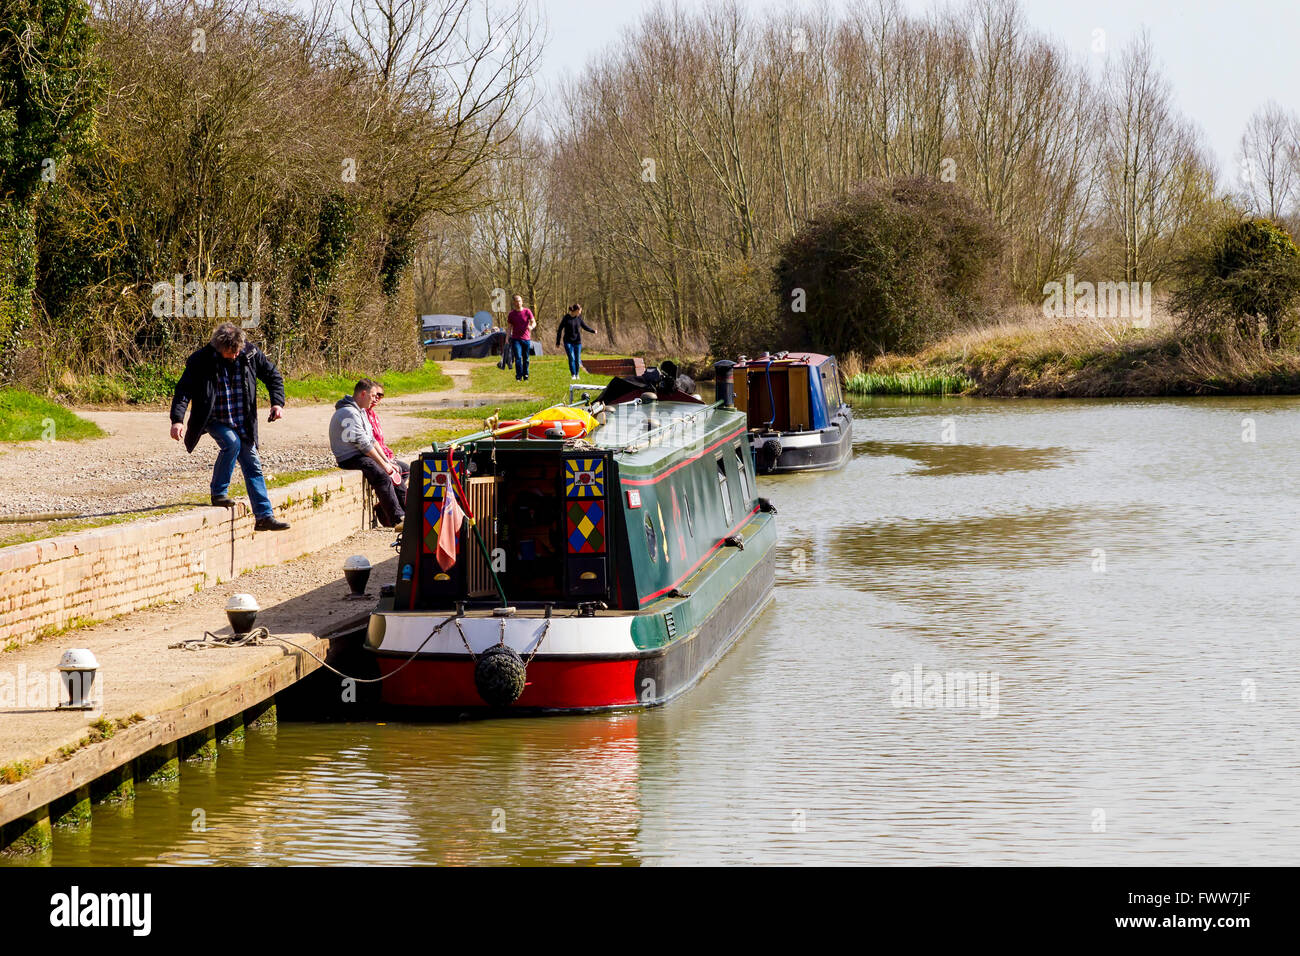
(1270, 161)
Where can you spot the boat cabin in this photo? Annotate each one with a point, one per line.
(620, 517)
(794, 408)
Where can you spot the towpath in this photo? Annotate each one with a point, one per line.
(137, 466)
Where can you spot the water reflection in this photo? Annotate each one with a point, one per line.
(938, 458)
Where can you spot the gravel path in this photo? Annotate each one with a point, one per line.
(137, 466)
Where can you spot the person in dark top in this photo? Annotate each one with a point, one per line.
(570, 330)
(219, 386)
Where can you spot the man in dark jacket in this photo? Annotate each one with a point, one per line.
(220, 386)
(571, 326)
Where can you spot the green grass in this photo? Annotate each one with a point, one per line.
(917, 382)
(330, 388)
(153, 383)
(548, 376)
(28, 417)
(509, 410)
(425, 440)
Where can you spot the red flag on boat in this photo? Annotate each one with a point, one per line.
(452, 517)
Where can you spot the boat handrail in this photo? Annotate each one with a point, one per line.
(677, 423)
(582, 388)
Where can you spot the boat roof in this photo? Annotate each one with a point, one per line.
(645, 434)
(793, 358)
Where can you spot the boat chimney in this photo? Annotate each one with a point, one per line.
(725, 389)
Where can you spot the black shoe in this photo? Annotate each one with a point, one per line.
(270, 523)
(224, 501)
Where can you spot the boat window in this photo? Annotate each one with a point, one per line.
(744, 475)
(723, 490)
(650, 541)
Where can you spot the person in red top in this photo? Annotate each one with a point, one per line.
(522, 324)
(372, 413)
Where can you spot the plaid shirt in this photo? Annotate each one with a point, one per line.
(228, 408)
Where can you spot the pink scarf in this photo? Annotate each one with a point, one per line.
(379, 432)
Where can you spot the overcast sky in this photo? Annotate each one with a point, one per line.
(1223, 58)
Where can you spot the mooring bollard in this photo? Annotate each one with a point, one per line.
(241, 612)
(77, 670)
(357, 571)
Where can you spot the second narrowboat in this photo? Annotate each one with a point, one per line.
(795, 410)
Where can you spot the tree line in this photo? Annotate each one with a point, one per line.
(373, 160)
(667, 176)
(152, 144)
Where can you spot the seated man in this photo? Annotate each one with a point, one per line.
(353, 443)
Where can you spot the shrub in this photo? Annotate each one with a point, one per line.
(1246, 278)
(891, 267)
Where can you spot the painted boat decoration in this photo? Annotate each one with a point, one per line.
(605, 570)
(796, 413)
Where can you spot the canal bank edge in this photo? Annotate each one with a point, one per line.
(54, 584)
(174, 715)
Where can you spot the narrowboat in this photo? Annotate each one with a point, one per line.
(600, 568)
(795, 411)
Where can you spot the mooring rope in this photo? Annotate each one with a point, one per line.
(260, 637)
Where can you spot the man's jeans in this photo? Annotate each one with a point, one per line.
(522, 349)
(574, 351)
(236, 448)
(391, 497)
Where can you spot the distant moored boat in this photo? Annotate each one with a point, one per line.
(797, 417)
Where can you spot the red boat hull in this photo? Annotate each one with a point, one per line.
(552, 684)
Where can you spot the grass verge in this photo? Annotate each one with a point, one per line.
(548, 376)
(314, 389)
(28, 417)
(1085, 358)
(153, 384)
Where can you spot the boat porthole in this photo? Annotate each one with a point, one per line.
(650, 540)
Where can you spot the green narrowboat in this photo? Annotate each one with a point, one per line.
(604, 567)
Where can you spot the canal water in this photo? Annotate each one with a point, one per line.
(1030, 632)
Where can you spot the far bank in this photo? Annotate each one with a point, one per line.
(1029, 356)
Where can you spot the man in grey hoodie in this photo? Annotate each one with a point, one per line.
(353, 443)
